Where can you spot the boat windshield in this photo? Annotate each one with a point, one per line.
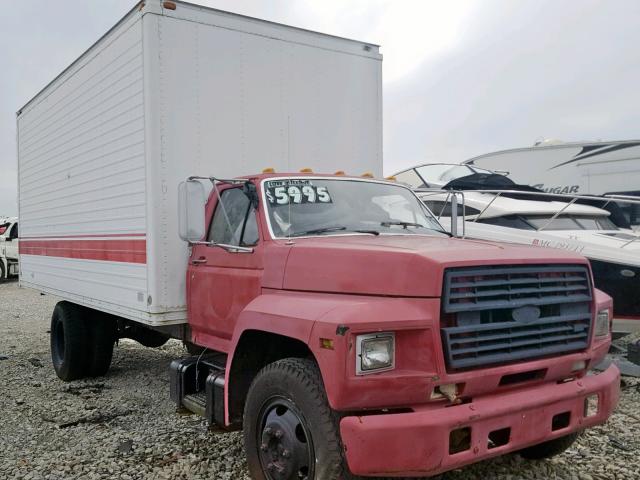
(562, 222)
(299, 207)
(443, 173)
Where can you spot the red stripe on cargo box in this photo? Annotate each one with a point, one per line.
(112, 250)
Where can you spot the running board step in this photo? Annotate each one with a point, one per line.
(197, 385)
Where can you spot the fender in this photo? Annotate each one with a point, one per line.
(307, 318)
(287, 315)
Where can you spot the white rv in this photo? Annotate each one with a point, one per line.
(595, 168)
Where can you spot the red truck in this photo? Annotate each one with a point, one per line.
(329, 317)
(313, 334)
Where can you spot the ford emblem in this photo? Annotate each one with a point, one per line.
(526, 314)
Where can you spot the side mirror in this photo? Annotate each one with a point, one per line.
(191, 210)
(458, 221)
(454, 215)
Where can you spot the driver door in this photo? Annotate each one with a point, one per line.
(221, 283)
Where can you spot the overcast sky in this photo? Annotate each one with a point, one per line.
(461, 78)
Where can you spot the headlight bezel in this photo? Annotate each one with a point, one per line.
(370, 338)
(602, 328)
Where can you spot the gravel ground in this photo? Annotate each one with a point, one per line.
(123, 426)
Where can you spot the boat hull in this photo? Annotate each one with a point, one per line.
(622, 283)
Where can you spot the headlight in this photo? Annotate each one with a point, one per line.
(375, 352)
(602, 323)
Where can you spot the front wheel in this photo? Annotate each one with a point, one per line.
(290, 432)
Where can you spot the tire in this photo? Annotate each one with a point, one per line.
(550, 448)
(287, 410)
(69, 352)
(102, 330)
(2, 272)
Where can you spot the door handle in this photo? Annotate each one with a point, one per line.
(199, 261)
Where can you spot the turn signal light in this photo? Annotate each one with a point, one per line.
(326, 343)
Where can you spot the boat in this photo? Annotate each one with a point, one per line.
(496, 208)
(589, 167)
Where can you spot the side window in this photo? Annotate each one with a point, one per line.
(234, 221)
(14, 231)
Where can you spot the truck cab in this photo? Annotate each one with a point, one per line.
(320, 343)
(8, 247)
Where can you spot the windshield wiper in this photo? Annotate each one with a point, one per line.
(319, 230)
(402, 224)
(333, 229)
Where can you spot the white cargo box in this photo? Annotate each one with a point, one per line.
(163, 95)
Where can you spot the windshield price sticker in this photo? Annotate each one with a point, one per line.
(285, 192)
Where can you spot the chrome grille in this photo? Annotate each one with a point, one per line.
(509, 313)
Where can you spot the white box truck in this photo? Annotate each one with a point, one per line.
(172, 90)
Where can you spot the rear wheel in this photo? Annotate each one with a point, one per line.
(550, 448)
(2, 274)
(69, 350)
(102, 330)
(290, 432)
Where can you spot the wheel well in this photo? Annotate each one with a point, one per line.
(255, 350)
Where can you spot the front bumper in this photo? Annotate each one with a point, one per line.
(417, 443)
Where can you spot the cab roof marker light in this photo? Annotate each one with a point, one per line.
(306, 170)
(391, 178)
(169, 5)
(367, 175)
(269, 170)
(340, 173)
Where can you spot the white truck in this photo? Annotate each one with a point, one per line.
(8, 247)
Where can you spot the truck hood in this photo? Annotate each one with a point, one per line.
(398, 265)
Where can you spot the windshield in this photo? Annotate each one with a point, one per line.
(305, 207)
(443, 173)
